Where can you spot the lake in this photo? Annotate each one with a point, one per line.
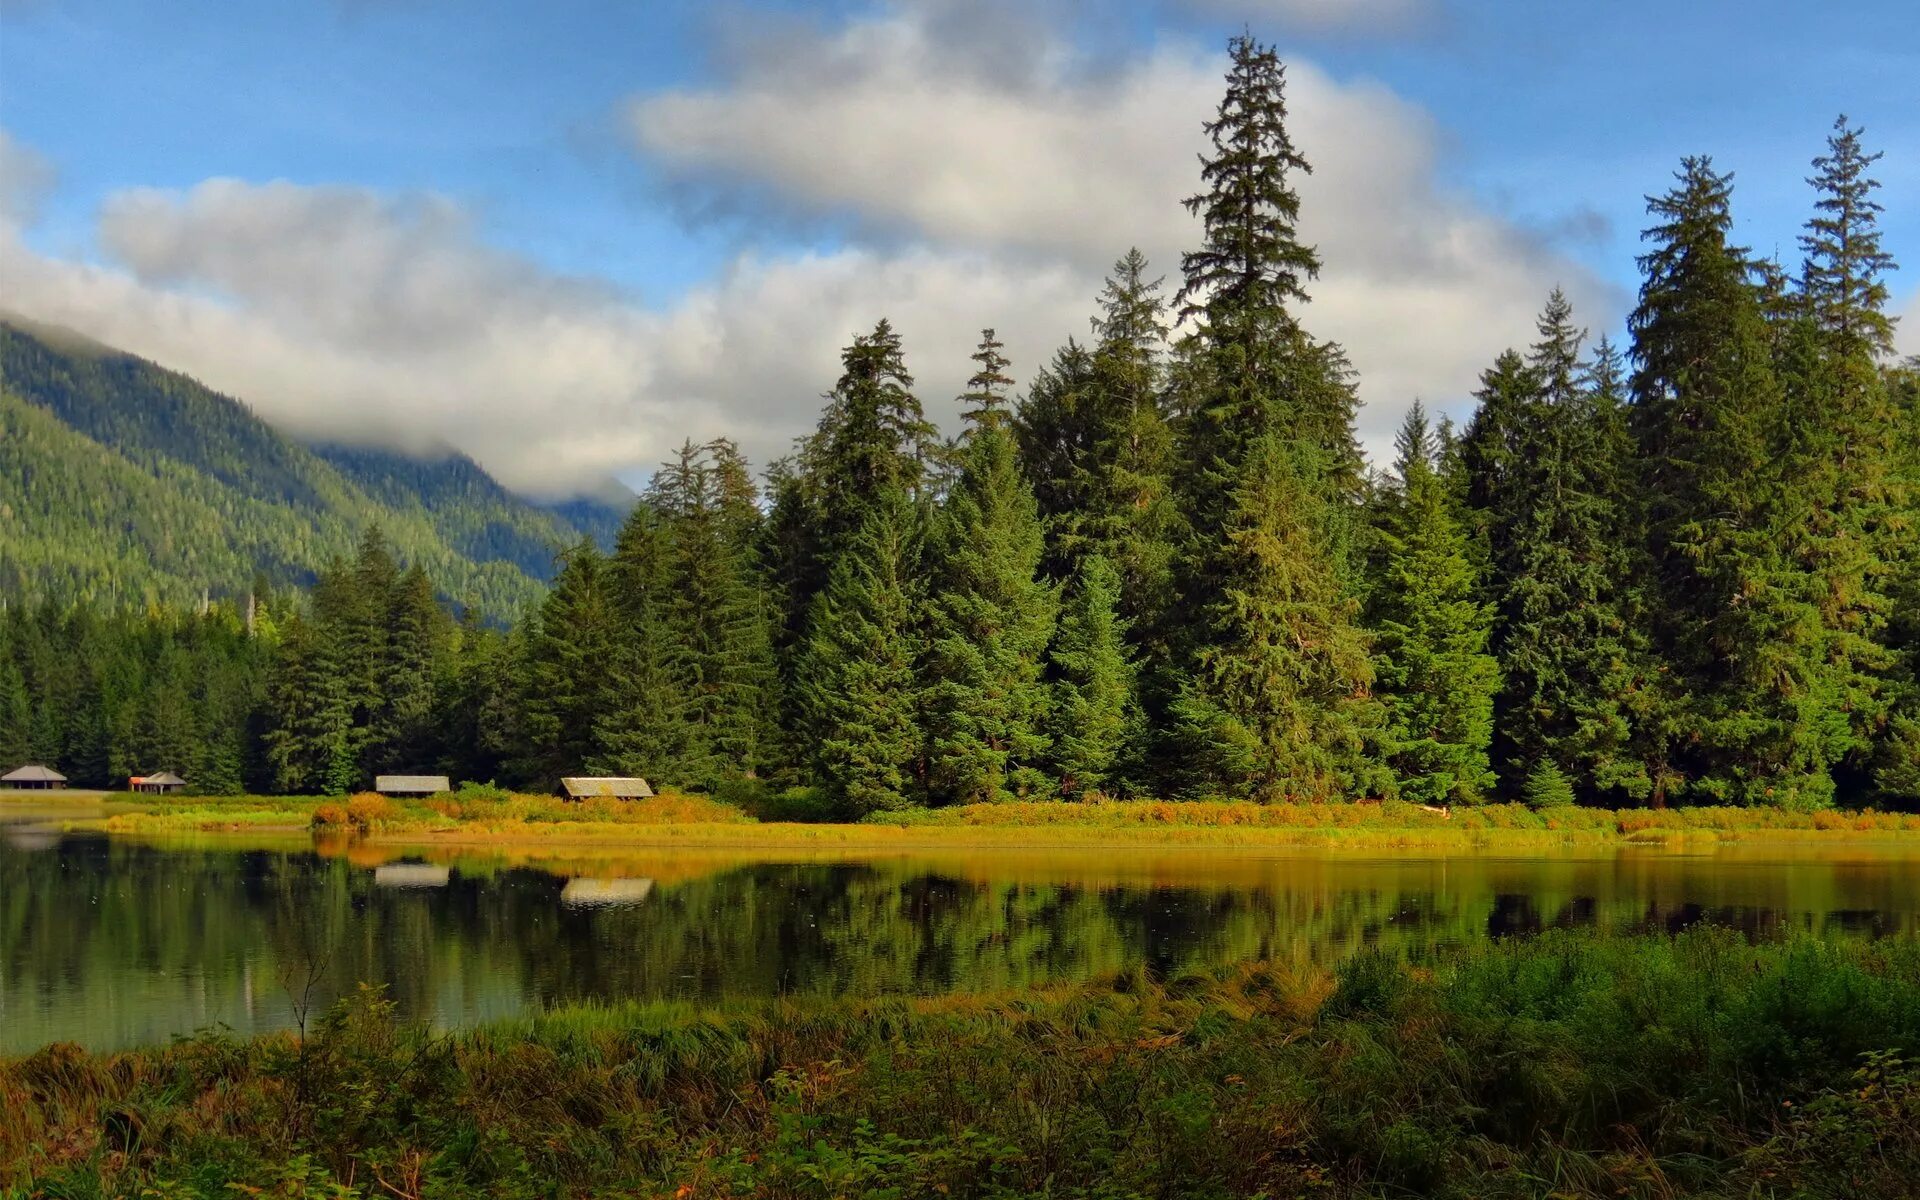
(112, 942)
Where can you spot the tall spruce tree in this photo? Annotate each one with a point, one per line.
(857, 677)
(1754, 717)
(1432, 670)
(1276, 693)
(1841, 449)
(1546, 457)
(1094, 718)
(991, 615)
(1278, 705)
(567, 680)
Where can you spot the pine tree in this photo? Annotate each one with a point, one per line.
(991, 616)
(1546, 458)
(1736, 623)
(857, 676)
(1095, 721)
(1432, 671)
(567, 680)
(1840, 458)
(403, 733)
(703, 623)
(309, 739)
(1276, 695)
(1278, 705)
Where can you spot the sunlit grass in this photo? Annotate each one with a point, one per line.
(487, 815)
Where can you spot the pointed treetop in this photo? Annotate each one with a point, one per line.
(986, 394)
(1130, 309)
(1840, 276)
(1251, 260)
(1415, 446)
(1556, 356)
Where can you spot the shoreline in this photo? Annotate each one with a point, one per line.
(671, 822)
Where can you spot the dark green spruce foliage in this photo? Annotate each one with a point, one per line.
(1752, 713)
(1432, 670)
(858, 673)
(569, 678)
(1547, 457)
(693, 700)
(1850, 504)
(1897, 757)
(1275, 700)
(991, 616)
(1096, 721)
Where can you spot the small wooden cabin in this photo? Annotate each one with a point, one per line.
(605, 787)
(34, 777)
(411, 785)
(163, 783)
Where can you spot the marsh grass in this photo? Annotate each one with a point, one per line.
(486, 814)
(1566, 1066)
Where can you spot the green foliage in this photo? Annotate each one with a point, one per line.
(1432, 671)
(858, 674)
(107, 461)
(990, 617)
(1095, 719)
(1695, 1066)
(1547, 787)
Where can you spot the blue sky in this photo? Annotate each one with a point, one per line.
(657, 220)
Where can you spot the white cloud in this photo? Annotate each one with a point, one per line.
(985, 188)
(1356, 16)
(1906, 335)
(335, 312)
(1066, 163)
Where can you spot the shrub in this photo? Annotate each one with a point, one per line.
(325, 815)
(369, 808)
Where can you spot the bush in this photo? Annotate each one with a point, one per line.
(367, 809)
(329, 815)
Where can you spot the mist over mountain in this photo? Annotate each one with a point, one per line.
(124, 482)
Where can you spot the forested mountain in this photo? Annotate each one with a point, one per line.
(472, 513)
(122, 482)
(1682, 571)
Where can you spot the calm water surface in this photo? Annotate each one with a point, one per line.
(110, 942)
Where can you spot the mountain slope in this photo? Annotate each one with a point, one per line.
(125, 482)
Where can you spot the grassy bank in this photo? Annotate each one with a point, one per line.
(485, 815)
(1565, 1066)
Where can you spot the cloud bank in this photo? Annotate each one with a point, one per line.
(965, 186)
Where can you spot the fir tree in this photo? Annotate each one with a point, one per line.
(1432, 670)
(1738, 629)
(1278, 706)
(567, 680)
(857, 676)
(1276, 694)
(991, 616)
(1095, 720)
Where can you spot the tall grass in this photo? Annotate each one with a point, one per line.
(493, 814)
(1568, 1066)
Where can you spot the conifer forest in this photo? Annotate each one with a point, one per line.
(1676, 566)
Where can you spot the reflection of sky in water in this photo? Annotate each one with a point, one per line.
(112, 942)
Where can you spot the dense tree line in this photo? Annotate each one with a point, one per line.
(1683, 572)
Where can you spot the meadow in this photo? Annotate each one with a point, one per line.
(757, 817)
(1564, 1066)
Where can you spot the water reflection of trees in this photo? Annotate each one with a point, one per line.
(113, 942)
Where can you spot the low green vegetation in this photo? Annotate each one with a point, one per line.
(1564, 1066)
(763, 817)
